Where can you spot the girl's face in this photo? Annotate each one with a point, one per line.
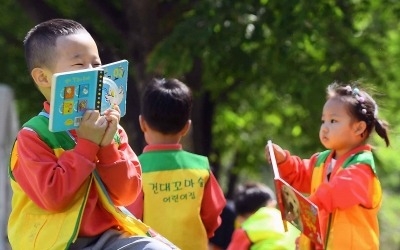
(339, 131)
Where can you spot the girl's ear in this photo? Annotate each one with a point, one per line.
(360, 127)
(41, 78)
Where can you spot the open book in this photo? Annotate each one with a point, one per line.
(294, 206)
(97, 88)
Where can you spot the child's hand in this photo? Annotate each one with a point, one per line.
(280, 154)
(112, 116)
(92, 126)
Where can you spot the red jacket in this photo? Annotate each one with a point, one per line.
(349, 201)
(51, 182)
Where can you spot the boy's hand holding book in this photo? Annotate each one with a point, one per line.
(92, 126)
(112, 116)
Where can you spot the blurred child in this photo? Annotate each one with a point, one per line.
(342, 180)
(182, 200)
(223, 234)
(261, 225)
(65, 184)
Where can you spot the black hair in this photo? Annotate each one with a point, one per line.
(250, 197)
(40, 41)
(361, 106)
(166, 105)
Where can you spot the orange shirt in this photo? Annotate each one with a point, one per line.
(348, 201)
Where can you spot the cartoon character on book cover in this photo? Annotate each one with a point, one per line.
(301, 213)
(113, 93)
(292, 207)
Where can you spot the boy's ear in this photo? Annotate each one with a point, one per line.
(40, 77)
(142, 123)
(185, 129)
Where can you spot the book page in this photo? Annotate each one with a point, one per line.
(73, 93)
(300, 212)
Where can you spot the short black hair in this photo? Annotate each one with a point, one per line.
(40, 41)
(166, 105)
(251, 196)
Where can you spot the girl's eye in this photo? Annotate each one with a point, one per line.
(333, 120)
(322, 121)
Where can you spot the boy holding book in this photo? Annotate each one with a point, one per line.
(65, 184)
(182, 200)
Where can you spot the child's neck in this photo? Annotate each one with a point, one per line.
(339, 153)
(158, 138)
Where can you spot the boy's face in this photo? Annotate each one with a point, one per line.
(75, 52)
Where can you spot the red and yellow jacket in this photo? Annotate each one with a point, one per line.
(55, 198)
(349, 200)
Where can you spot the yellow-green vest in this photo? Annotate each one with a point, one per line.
(31, 227)
(266, 231)
(181, 194)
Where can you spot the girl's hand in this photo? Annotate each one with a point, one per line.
(112, 117)
(280, 154)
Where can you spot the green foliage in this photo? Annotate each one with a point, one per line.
(388, 162)
(389, 221)
(14, 73)
(276, 64)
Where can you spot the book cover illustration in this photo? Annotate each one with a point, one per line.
(74, 92)
(294, 206)
(115, 85)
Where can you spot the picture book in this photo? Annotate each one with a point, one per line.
(74, 92)
(295, 207)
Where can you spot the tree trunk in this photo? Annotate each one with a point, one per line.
(141, 28)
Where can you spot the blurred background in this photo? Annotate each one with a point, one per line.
(258, 70)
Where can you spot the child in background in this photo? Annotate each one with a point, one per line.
(182, 200)
(223, 234)
(65, 184)
(261, 225)
(342, 180)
